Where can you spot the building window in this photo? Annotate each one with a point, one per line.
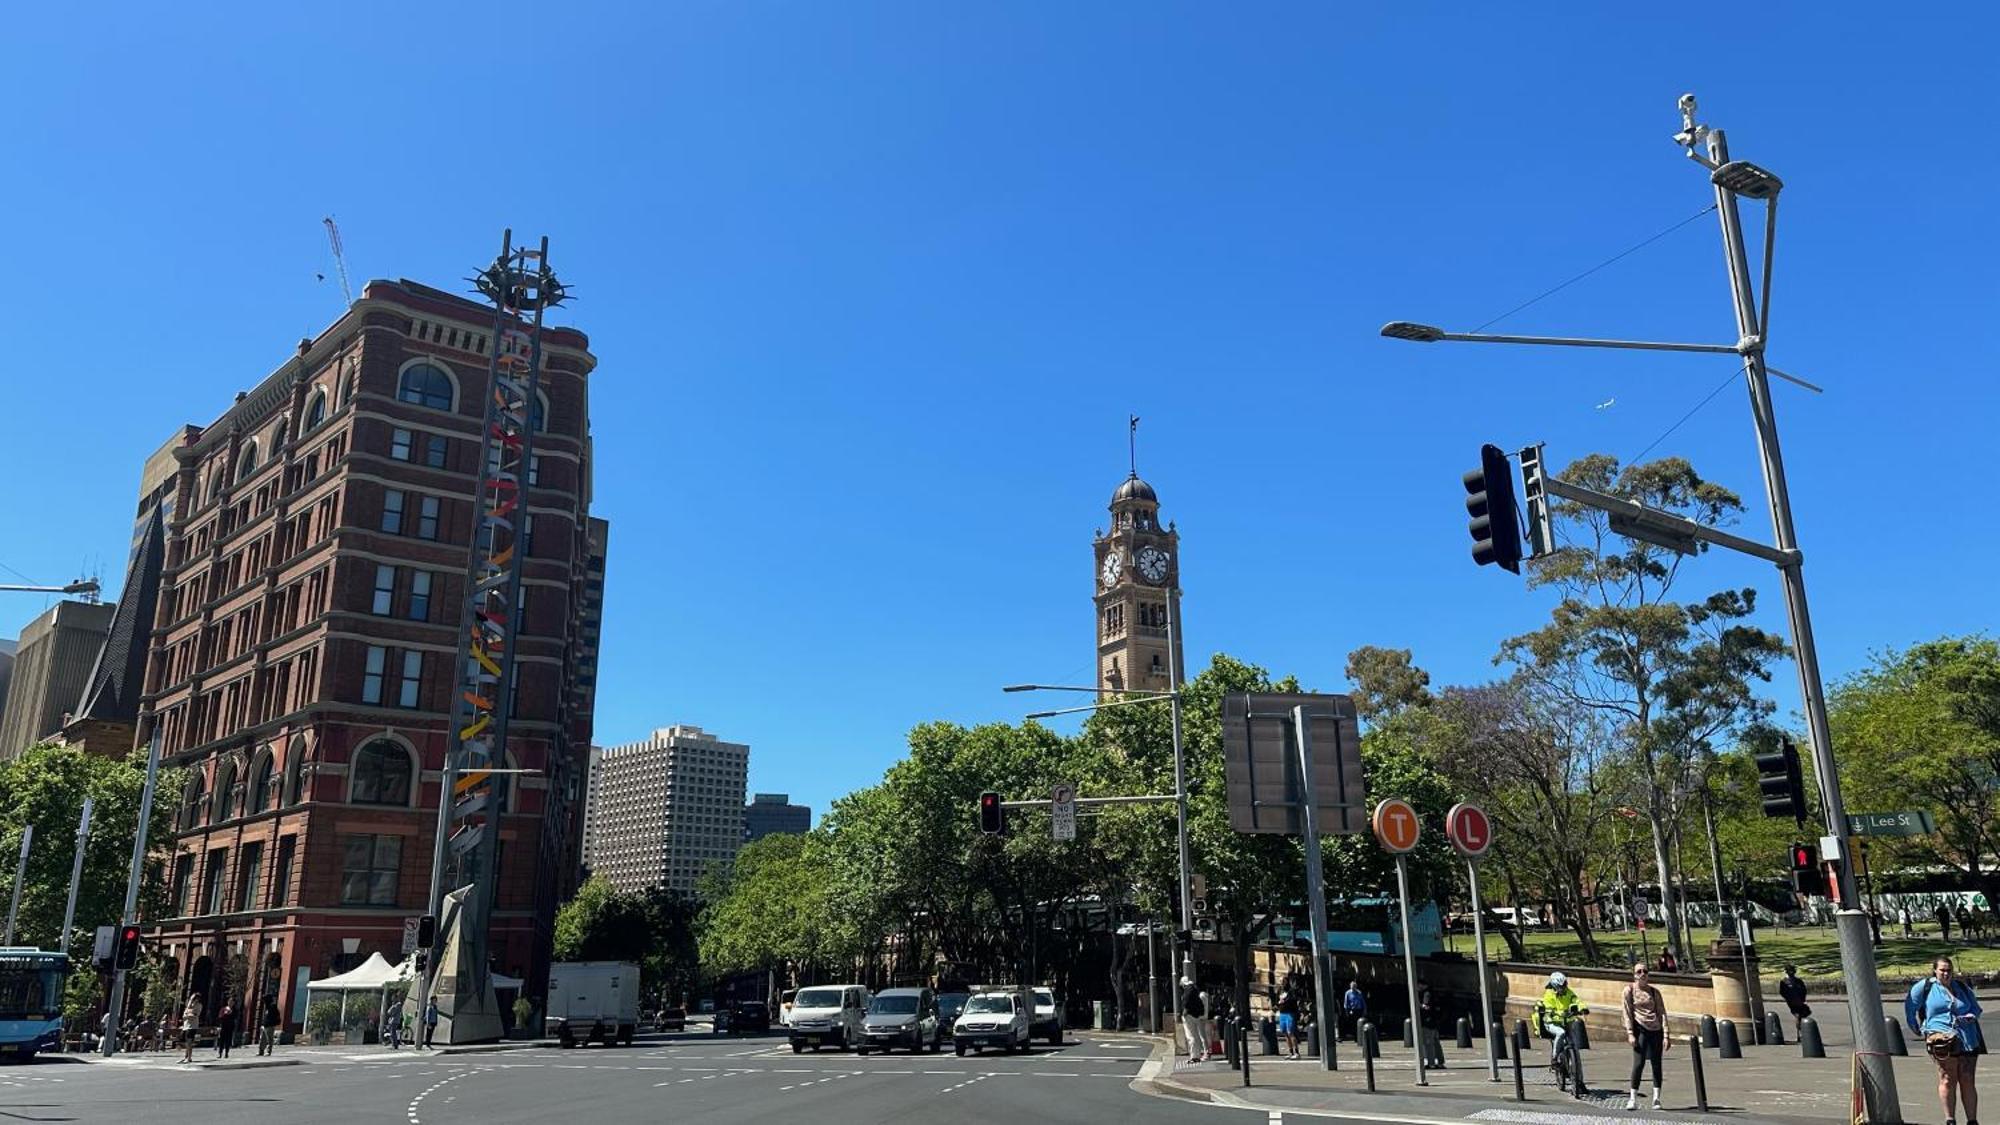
(368, 870)
(191, 802)
(399, 444)
(281, 879)
(534, 469)
(426, 384)
(183, 882)
(427, 518)
(538, 414)
(385, 590)
(316, 411)
(381, 775)
(413, 675)
(371, 677)
(294, 761)
(420, 596)
(246, 462)
(225, 789)
(527, 535)
(434, 449)
(211, 883)
(257, 797)
(249, 872)
(392, 511)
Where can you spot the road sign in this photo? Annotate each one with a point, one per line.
(106, 941)
(1396, 826)
(1470, 830)
(410, 935)
(1261, 763)
(1062, 811)
(1909, 822)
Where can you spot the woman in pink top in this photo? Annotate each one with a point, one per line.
(1646, 1030)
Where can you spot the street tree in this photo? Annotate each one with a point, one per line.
(1384, 682)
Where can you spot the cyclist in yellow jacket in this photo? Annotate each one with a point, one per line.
(1559, 1005)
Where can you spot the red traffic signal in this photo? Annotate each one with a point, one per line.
(992, 818)
(128, 947)
(1803, 858)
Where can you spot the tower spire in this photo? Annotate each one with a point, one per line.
(1132, 445)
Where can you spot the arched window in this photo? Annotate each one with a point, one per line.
(225, 786)
(294, 761)
(380, 775)
(426, 384)
(315, 412)
(191, 801)
(215, 485)
(246, 461)
(257, 795)
(538, 413)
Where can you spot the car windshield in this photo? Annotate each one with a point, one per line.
(951, 1005)
(893, 1006)
(989, 1004)
(818, 998)
(1045, 998)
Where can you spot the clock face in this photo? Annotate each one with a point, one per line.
(1114, 565)
(1153, 565)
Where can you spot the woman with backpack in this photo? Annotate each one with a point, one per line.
(1943, 1010)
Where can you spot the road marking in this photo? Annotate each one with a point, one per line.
(1277, 1117)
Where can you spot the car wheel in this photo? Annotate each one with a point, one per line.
(1055, 1037)
(797, 1047)
(959, 1050)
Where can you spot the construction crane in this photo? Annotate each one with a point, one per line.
(339, 257)
(88, 587)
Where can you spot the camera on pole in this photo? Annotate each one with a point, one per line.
(1782, 782)
(1495, 524)
(992, 818)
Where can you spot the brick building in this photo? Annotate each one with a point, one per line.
(300, 665)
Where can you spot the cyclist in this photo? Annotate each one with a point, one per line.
(1559, 1005)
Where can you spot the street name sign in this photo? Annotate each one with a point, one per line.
(1396, 826)
(1062, 811)
(1909, 822)
(1260, 755)
(1469, 828)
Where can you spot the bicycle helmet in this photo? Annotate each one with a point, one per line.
(1558, 981)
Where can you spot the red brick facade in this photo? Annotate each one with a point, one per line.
(316, 556)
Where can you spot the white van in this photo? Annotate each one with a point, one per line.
(825, 1014)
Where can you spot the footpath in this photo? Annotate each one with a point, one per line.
(247, 1058)
(1769, 1084)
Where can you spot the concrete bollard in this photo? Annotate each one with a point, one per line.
(1895, 1030)
(1464, 1024)
(1809, 1045)
(1708, 1034)
(1774, 1029)
(1730, 1047)
(1498, 1037)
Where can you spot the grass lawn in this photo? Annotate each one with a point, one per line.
(1815, 951)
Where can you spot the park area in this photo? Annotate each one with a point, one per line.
(1815, 950)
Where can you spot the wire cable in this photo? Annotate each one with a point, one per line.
(1710, 397)
(1608, 261)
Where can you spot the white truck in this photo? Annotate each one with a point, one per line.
(593, 1000)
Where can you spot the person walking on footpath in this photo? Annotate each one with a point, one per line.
(267, 1027)
(225, 1030)
(1288, 1020)
(1943, 916)
(190, 1026)
(1943, 1011)
(394, 1031)
(1353, 1009)
(1903, 915)
(1192, 1011)
(1792, 991)
(1427, 1029)
(430, 1020)
(1646, 1030)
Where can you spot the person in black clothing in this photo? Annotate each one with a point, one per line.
(1792, 991)
(225, 1030)
(268, 1021)
(1943, 916)
(1193, 1021)
(1428, 1016)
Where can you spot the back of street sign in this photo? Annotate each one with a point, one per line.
(1261, 762)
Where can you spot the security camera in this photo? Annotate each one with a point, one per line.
(1687, 104)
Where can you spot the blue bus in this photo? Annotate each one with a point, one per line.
(31, 997)
(1372, 925)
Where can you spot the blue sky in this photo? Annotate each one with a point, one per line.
(875, 285)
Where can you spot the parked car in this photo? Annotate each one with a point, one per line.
(744, 1018)
(1048, 1021)
(994, 1019)
(901, 1017)
(827, 1014)
(670, 1019)
(950, 1005)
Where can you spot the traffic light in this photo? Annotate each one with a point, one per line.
(992, 818)
(1806, 873)
(128, 947)
(427, 928)
(1782, 782)
(1496, 523)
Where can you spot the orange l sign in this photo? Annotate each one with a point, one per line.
(1396, 826)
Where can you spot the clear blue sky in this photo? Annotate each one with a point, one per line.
(874, 287)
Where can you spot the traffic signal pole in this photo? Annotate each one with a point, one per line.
(117, 1005)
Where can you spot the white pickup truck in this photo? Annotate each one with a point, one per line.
(593, 1000)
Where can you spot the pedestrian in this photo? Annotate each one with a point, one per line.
(1192, 1010)
(1213, 1007)
(1646, 1030)
(394, 1031)
(1288, 1019)
(190, 1026)
(1942, 1009)
(1792, 991)
(1903, 915)
(1353, 1009)
(1428, 1016)
(268, 1022)
(430, 1020)
(1943, 916)
(1668, 963)
(225, 1030)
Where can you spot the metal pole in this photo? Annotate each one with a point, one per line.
(1180, 781)
(1857, 952)
(116, 1008)
(1714, 850)
(1152, 982)
(1329, 1033)
(1479, 944)
(75, 875)
(20, 873)
(1410, 958)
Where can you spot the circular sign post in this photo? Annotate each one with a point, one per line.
(1470, 830)
(1396, 826)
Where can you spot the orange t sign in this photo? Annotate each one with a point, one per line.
(1396, 826)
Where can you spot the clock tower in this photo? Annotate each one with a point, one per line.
(1138, 586)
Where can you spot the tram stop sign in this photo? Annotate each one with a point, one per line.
(1396, 826)
(1470, 830)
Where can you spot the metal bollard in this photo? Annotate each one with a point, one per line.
(1582, 1032)
(1267, 1036)
(1409, 1032)
(1700, 1080)
(1369, 1049)
(1520, 1029)
(1497, 1035)
(1731, 1047)
(1708, 1033)
(1896, 1044)
(1774, 1029)
(1521, 1037)
(1228, 1032)
(1809, 1045)
(1312, 1035)
(1577, 1089)
(1464, 1024)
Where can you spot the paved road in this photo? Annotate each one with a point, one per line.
(680, 1078)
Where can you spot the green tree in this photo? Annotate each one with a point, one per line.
(1385, 682)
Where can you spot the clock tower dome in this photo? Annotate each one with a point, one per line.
(1138, 588)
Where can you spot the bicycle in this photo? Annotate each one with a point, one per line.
(1566, 1060)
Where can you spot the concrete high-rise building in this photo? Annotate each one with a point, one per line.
(6, 673)
(772, 813)
(1138, 579)
(301, 657)
(51, 666)
(665, 810)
